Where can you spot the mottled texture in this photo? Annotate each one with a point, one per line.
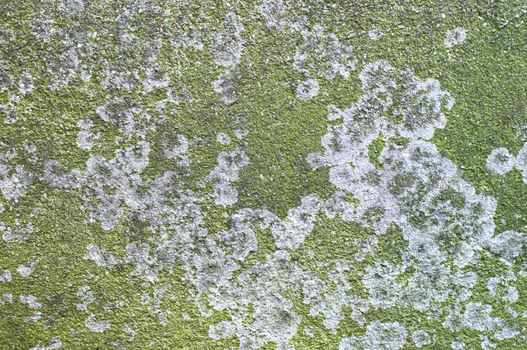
(268, 174)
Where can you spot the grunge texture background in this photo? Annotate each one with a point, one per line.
(268, 174)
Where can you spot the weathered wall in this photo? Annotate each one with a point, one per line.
(271, 174)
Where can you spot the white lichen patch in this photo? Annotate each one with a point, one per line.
(223, 139)
(224, 86)
(6, 298)
(386, 336)
(421, 338)
(54, 344)
(25, 270)
(226, 172)
(14, 179)
(263, 287)
(291, 232)
(85, 296)
(100, 257)
(155, 79)
(177, 148)
(138, 255)
(96, 326)
(509, 245)
(72, 7)
(189, 39)
(5, 276)
(85, 138)
(16, 233)
(273, 12)
(307, 90)
(26, 83)
(222, 330)
(374, 34)
(414, 181)
(227, 46)
(129, 330)
(30, 301)
(521, 162)
(324, 55)
(127, 116)
(227, 43)
(455, 36)
(500, 161)
(106, 196)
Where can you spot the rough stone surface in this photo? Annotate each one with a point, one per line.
(268, 174)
